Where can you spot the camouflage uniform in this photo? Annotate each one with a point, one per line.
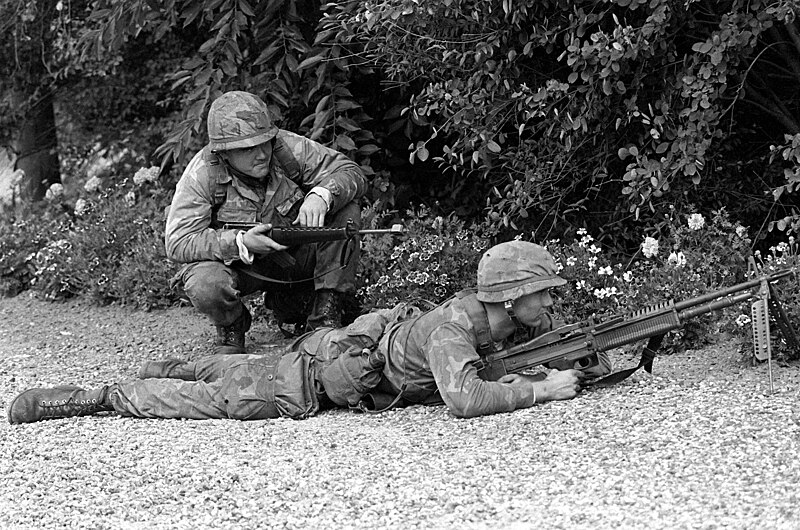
(242, 387)
(432, 358)
(210, 193)
(279, 384)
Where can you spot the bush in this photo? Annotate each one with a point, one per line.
(436, 257)
(690, 257)
(106, 245)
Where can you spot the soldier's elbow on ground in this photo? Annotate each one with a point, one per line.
(463, 409)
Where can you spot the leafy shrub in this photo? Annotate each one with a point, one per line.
(436, 257)
(103, 242)
(691, 257)
(21, 236)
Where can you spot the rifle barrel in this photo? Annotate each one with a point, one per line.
(755, 282)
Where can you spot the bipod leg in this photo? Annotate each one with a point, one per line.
(761, 336)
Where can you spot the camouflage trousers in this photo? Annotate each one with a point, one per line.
(242, 387)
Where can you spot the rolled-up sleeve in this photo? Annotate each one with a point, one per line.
(327, 168)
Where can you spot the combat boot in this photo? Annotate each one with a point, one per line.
(39, 404)
(230, 339)
(327, 312)
(167, 369)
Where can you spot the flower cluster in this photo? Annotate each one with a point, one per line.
(146, 175)
(436, 257)
(54, 192)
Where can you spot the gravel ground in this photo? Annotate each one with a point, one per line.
(700, 444)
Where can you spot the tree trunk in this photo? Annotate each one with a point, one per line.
(37, 150)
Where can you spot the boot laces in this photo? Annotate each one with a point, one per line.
(68, 407)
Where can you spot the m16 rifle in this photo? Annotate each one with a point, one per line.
(577, 345)
(301, 235)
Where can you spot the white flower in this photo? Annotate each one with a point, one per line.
(677, 260)
(742, 320)
(594, 249)
(696, 221)
(54, 192)
(650, 247)
(130, 198)
(580, 284)
(93, 184)
(605, 292)
(81, 207)
(741, 231)
(627, 276)
(145, 174)
(605, 271)
(591, 262)
(571, 261)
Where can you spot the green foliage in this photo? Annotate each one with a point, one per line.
(689, 258)
(106, 245)
(436, 257)
(579, 110)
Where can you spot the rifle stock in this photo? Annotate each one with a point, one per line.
(577, 345)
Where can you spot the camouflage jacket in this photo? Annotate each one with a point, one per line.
(433, 357)
(208, 195)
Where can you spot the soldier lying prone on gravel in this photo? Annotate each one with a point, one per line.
(385, 358)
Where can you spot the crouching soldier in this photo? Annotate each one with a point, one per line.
(388, 357)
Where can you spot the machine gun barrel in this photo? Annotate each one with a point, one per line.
(580, 343)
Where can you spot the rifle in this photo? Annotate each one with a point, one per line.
(577, 345)
(301, 235)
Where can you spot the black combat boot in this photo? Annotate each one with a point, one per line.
(39, 404)
(327, 312)
(290, 308)
(230, 339)
(167, 369)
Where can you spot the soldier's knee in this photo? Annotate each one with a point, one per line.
(209, 283)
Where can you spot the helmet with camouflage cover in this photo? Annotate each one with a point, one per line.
(237, 120)
(514, 269)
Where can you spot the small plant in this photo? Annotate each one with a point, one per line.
(435, 258)
(690, 257)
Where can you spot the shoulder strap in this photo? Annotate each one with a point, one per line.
(216, 172)
(477, 314)
(283, 154)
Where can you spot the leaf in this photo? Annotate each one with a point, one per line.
(368, 149)
(345, 142)
(310, 61)
(493, 146)
(346, 104)
(422, 154)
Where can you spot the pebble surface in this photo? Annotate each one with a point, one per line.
(700, 444)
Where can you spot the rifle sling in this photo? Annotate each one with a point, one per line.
(344, 260)
(646, 361)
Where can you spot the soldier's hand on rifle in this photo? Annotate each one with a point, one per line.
(562, 384)
(559, 384)
(312, 212)
(258, 241)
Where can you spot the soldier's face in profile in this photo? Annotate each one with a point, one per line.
(530, 308)
(252, 161)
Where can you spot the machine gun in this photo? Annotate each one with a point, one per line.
(577, 345)
(301, 235)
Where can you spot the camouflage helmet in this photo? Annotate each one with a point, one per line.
(237, 120)
(514, 269)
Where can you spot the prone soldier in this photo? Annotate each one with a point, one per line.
(402, 355)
